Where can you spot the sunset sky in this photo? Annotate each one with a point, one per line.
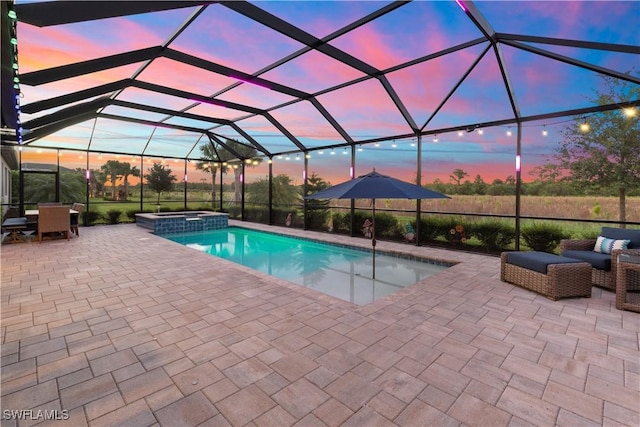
(365, 109)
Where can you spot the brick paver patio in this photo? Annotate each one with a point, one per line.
(121, 327)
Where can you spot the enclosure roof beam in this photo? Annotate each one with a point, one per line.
(62, 72)
(44, 14)
(70, 98)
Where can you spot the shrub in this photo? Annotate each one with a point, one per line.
(432, 227)
(257, 214)
(341, 222)
(205, 208)
(387, 225)
(114, 215)
(131, 214)
(317, 219)
(494, 235)
(93, 217)
(543, 237)
(234, 212)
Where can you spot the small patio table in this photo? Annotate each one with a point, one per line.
(36, 212)
(15, 227)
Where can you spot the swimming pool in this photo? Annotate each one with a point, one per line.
(343, 272)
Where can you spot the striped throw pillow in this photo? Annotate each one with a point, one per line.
(606, 246)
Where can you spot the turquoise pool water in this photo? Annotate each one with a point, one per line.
(342, 272)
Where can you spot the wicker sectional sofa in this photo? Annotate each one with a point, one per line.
(604, 266)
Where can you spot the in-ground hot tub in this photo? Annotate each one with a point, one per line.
(182, 222)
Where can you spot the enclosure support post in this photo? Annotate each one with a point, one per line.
(185, 184)
(518, 185)
(305, 212)
(242, 192)
(141, 183)
(270, 201)
(58, 176)
(85, 213)
(418, 182)
(20, 183)
(221, 185)
(352, 211)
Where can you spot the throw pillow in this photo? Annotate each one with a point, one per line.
(606, 246)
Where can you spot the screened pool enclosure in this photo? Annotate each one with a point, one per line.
(248, 106)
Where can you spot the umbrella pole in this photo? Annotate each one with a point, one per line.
(373, 238)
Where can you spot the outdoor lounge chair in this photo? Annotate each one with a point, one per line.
(604, 262)
(54, 219)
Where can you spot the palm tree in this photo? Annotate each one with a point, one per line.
(126, 171)
(246, 152)
(211, 165)
(114, 170)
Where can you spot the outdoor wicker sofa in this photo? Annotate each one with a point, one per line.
(604, 265)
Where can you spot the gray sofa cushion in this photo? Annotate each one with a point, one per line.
(596, 259)
(622, 234)
(538, 261)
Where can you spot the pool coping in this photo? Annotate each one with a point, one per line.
(395, 254)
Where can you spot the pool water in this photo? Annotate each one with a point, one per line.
(339, 271)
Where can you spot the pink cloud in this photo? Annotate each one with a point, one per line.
(312, 72)
(372, 46)
(61, 45)
(222, 36)
(185, 77)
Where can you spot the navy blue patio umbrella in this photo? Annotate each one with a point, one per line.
(376, 186)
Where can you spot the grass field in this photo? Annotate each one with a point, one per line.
(588, 207)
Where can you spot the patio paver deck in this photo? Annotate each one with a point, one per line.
(123, 327)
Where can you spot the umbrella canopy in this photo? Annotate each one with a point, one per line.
(376, 186)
